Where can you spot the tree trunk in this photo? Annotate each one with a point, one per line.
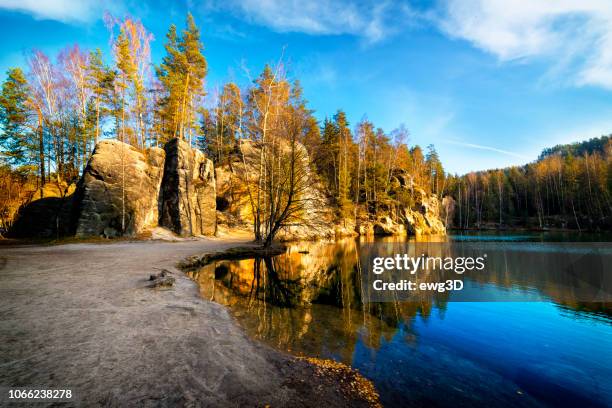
(41, 156)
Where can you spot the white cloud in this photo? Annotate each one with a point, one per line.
(370, 19)
(575, 33)
(67, 11)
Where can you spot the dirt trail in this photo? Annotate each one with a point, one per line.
(80, 316)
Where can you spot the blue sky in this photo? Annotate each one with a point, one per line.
(489, 82)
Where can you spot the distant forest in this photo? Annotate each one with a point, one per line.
(53, 112)
(567, 187)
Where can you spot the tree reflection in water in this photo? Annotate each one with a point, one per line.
(314, 300)
(310, 299)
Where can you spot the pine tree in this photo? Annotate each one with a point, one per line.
(434, 169)
(344, 147)
(181, 74)
(126, 69)
(15, 139)
(195, 69)
(169, 75)
(100, 82)
(223, 123)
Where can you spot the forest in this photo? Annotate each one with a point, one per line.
(567, 187)
(55, 110)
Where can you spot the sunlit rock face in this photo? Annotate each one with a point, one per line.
(188, 192)
(386, 226)
(424, 217)
(118, 193)
(234, 210)
(314, 220)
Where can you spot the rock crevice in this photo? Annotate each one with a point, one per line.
(188, 192)
(125, 192)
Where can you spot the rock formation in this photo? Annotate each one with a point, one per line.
(316, 221)
(386, 226)
(424, 217)
(124, 192)
(188, 192)
(118, 193)
(411, 210)
(121, 194)
(47, 217)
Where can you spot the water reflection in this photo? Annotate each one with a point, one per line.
(312, 300)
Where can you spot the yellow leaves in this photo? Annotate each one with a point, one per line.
(350, 381)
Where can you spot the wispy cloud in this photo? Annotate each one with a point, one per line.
(576, 32)
(488, 148)
(67, 11)
(370, 19)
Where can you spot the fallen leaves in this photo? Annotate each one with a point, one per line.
(350, 381)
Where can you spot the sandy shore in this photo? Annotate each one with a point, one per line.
(80, 316)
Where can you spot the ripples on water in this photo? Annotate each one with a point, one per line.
(431, 351)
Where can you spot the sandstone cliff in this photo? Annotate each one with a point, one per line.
(118, 192)
(315, 219)
(408, 210)
(424, 217)
(124, 192)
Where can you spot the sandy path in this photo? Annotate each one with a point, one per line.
(79, 316)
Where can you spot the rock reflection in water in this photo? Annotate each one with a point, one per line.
(310, 299)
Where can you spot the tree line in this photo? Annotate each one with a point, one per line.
(568, 186)
(53, 113)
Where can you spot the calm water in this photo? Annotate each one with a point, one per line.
(432, 351)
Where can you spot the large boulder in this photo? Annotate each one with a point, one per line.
(187, 197)
(47, 217)
(118, 193)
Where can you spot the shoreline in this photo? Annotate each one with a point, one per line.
(79, 316)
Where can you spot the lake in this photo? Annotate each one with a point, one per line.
(536, 341)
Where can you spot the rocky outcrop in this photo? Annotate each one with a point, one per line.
(118, 193)
(47, 217)
(121, 194)
(424, 217)
(188, 193)
(315, 216)
(386, 226)
(346, 228)
(125, 192)
(233, 205)
(410, 210)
